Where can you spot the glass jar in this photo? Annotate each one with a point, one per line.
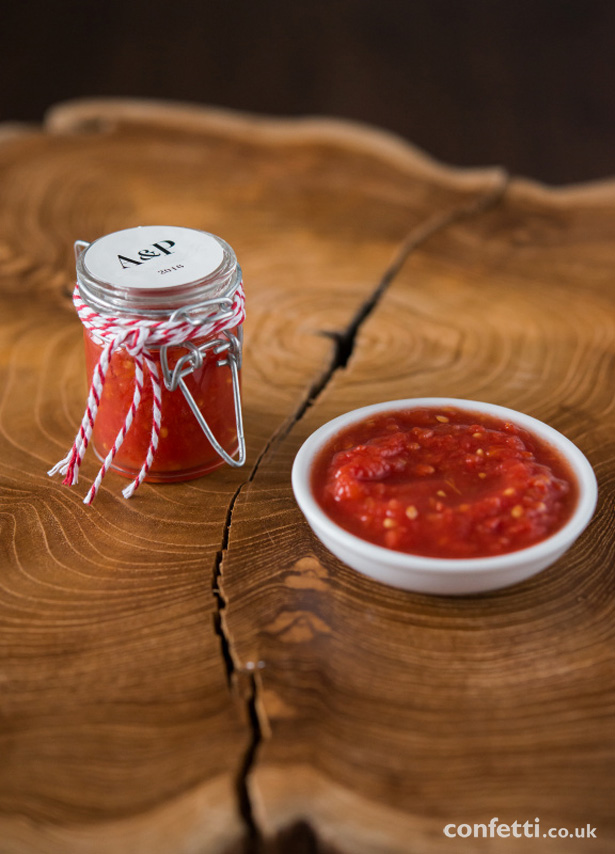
(150, 279)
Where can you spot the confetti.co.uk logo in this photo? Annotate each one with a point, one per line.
(517, 830)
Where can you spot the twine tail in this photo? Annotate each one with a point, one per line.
(71, 463)
(130, 490)
(119, 439)
(61, 466)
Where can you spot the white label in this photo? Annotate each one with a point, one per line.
(153, 256)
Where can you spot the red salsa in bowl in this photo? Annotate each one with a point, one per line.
(443, 482)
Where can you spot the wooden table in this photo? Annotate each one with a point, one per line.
(190, 671)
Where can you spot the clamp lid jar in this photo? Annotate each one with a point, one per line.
(162, 309)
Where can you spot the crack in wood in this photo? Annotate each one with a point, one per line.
(218, 593)
(241, 780)
(344, 342)
(344, 345)
(249, 759)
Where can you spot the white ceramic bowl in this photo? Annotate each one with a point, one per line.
(445, 576)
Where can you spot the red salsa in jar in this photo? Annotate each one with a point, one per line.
(183, 451)
(444, 482)
(163, 310)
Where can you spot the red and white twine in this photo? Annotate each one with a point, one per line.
(136, 337)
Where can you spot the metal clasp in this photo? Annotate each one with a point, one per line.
(228, 344)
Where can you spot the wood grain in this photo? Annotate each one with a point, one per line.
(119, 729)
(386, 715)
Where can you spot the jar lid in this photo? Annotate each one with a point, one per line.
(155, 269)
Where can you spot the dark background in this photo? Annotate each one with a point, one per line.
(528, 84)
